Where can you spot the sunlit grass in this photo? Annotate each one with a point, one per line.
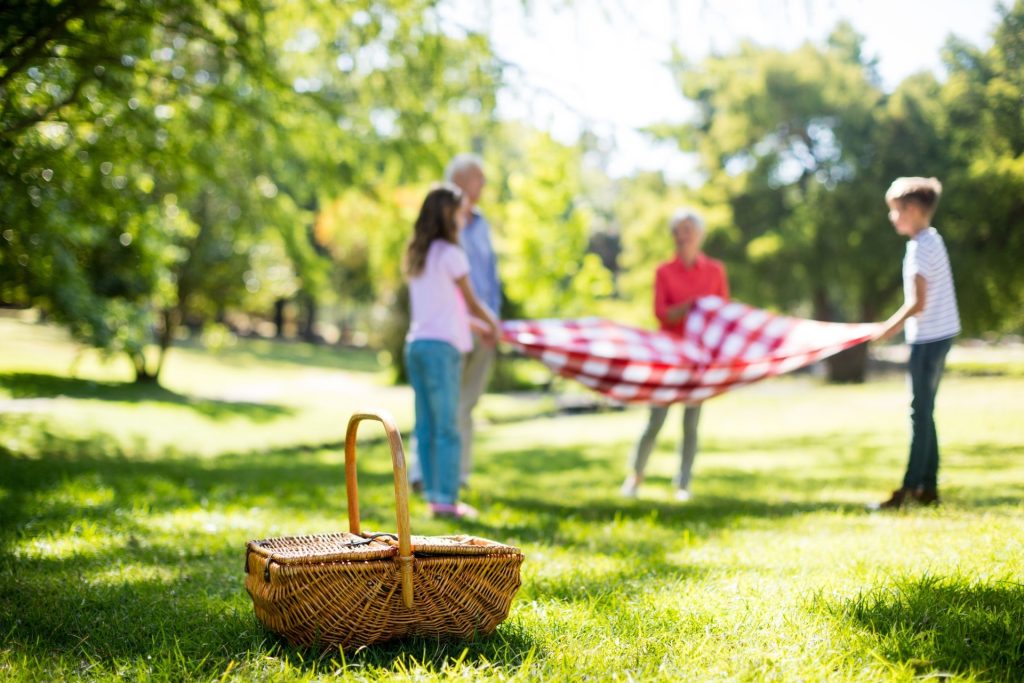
(123, 519)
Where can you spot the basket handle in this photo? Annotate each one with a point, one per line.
(401, 490)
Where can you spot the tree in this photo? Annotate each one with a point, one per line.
(400, 96)
(119, 211)
(544, 228)
(982, 211)
(166, 160)
(800, 146)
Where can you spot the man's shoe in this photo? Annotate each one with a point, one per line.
(683, 496)
(926, 497)
(629, 488)
(895, 501)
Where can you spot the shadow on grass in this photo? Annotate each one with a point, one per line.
(699, 519)
(1002, 455)
(197, 620)
(35, 481)
(177, 596)
(943, 625)
(37, 385)
(509, 648)
(534, 480)
(256, 351)
(133, 592)
(128, 594)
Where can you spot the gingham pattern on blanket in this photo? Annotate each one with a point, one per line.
(724, 345)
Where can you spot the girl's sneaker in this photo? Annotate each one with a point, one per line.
(454, 511)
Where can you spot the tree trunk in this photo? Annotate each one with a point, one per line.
(394, 333)
(145, 372)
(849, 366)
(172, 318)
(308, 321)
(143, 375)
(279, 305)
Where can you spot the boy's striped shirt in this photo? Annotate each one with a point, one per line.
(926, 255)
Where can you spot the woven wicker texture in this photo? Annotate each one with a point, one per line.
(354, 589)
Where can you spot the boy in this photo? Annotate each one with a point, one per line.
(930, 320)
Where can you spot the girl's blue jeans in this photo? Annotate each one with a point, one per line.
(435, 373)
(926, 364)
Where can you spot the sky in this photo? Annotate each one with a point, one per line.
(600, 65)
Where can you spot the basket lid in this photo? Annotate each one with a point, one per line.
(460, 545)
(338, 547)
(348, 547)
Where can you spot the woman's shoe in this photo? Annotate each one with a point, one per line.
(926, 496)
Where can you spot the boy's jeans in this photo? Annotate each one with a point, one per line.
(435, 372)
(926, 363)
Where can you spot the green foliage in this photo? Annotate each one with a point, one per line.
(800, 146)
(983, 206)
(785, 141)
(136, 176)
(545, 229)
(534, 202)
(165, 164)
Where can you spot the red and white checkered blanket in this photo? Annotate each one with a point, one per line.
(724, 345)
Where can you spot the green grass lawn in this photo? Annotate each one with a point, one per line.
(124, 513)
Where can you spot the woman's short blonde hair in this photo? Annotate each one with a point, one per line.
(685, 214)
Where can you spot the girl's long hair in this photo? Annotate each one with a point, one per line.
(436, 221)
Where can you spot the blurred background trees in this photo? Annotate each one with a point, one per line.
(797, 149)
(169, 168)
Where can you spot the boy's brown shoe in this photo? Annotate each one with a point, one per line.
(926, 497)
(895, 501)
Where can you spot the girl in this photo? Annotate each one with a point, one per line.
(439, 333)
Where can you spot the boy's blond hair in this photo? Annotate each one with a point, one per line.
(924, 192)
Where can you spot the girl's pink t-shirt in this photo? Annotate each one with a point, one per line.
(438, 309)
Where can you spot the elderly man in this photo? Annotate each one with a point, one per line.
(466, 171)
(677, 284)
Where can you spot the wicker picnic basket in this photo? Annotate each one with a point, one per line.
(354, 589)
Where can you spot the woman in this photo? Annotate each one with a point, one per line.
(677, 284)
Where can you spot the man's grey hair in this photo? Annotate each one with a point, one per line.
(685, 214)
(462, 163)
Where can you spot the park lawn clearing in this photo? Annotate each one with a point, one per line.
(124, 514)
